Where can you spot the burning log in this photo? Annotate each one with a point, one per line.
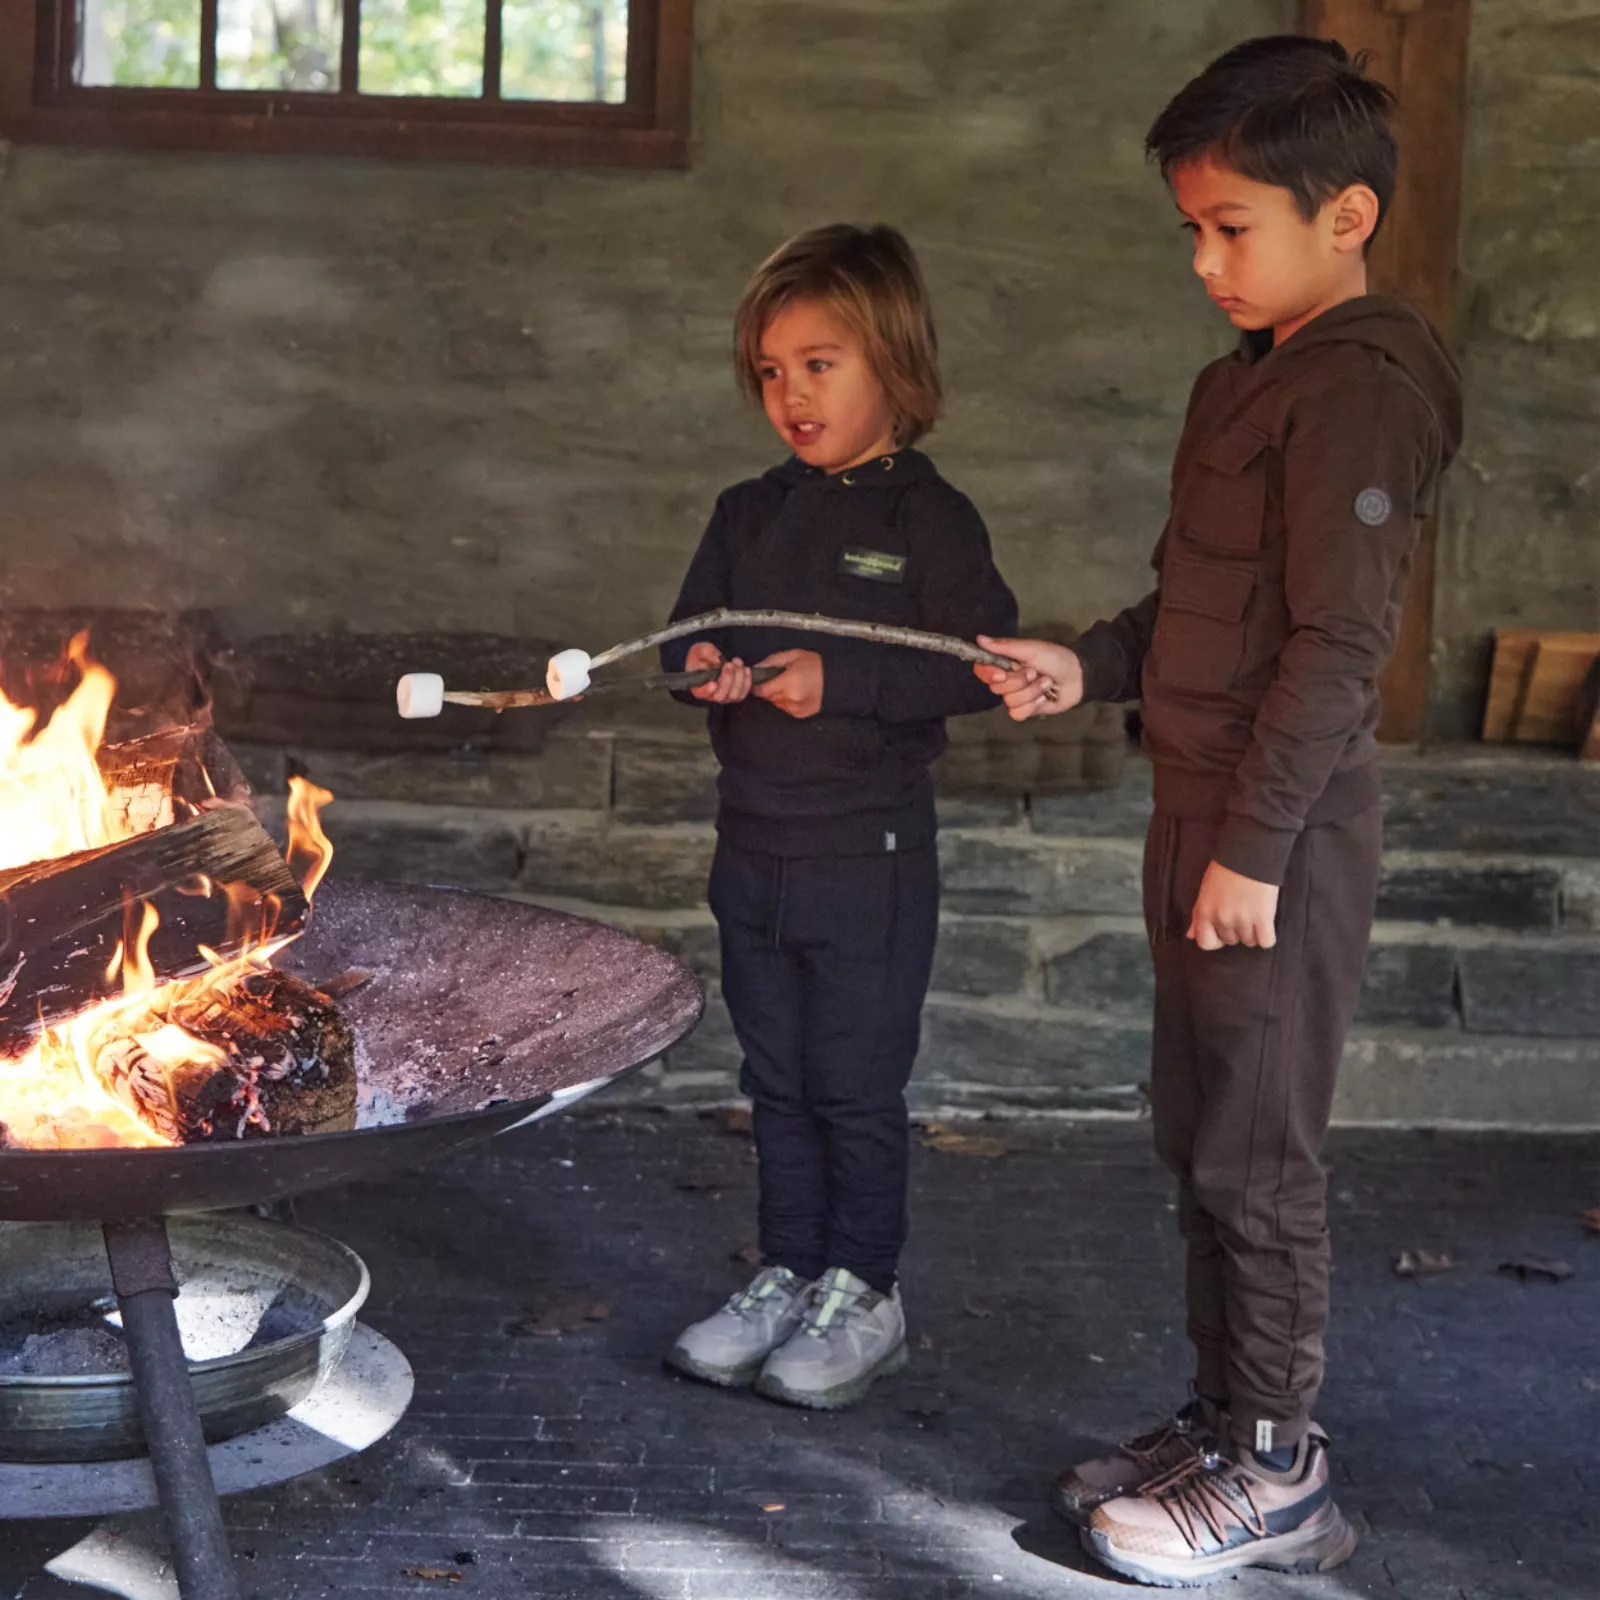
(216, 882)
(258, 1053)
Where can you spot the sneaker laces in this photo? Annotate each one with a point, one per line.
(1203, 1495)
(830, 1306)
(1187, 1423)
(770, 1281)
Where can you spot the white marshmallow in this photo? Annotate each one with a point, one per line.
(568, 674)
(420, 694)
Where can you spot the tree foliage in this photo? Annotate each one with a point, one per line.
(551, 49)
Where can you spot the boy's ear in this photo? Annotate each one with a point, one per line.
(1354, 215)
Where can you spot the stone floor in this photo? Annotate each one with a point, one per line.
(1042, 1287)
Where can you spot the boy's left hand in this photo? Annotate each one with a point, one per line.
(797, 690)
(1234, 909)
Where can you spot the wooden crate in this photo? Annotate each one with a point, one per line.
(1537, 687)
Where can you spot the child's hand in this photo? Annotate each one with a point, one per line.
(1234, 909)
(798, 688)
(1049, 681)
(731, 683)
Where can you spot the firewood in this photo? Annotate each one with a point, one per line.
(61, 920)
(274, 1058)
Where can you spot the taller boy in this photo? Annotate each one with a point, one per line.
(1307, 458)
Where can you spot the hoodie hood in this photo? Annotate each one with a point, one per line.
(1398, 331)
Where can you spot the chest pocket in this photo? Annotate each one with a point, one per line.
(1200, 623)
(1225, 499)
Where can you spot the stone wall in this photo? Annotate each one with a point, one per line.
(1520, 543)
(1482, 1000)
(320, 394)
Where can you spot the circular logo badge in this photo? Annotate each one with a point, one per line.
(1372, 506)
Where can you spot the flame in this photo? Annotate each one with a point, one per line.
(309, 850)
(53, 801)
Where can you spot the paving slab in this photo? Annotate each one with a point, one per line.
(1043, 1292)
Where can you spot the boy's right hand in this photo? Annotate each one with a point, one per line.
(732, 681)
(1043, 667)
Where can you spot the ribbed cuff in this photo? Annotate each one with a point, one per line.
(1100, 658)
(1245, 847)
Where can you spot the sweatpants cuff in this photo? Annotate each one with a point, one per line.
(1253, 1428)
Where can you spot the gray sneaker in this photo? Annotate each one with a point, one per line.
(850, 1337)
(728, 1347)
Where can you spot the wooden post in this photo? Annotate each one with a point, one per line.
(1419, 49)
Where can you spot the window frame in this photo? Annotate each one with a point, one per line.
(39, 103)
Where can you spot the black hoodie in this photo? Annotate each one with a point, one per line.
(1299, 483)
(890, 542)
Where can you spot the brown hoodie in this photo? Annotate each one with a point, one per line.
(1297, 490)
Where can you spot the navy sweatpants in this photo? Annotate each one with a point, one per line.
(825, 964)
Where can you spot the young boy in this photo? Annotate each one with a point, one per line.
(825, 883)
(1306, 460)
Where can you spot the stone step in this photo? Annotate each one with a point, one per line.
(1011, 871)
(1502, 801)
(999, 1057)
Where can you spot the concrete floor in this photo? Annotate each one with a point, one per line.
(1043, 1289)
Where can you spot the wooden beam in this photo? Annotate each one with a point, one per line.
(1419, 49)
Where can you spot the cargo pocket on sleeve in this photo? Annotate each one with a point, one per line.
(1225, 499)
(1200, 623)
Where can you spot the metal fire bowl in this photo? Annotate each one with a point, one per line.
(479, 1014)
(265, 1311)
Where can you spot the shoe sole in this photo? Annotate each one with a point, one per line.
(842, 1394)
(678, 1360)
(1319, 1545)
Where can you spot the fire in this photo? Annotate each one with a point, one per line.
(54, 801)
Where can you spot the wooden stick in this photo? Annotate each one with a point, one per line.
(807, 622)
(510, 699)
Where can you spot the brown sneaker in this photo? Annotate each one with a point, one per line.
(1220, 1514)
(1176, 1442)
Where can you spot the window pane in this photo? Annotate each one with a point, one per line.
(564, 50)
(279, 44)
(431, 47)
(139, 44)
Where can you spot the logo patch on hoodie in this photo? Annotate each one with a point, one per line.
(878, 566)
(1373, 507)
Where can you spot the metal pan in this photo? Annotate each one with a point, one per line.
(479, 1013)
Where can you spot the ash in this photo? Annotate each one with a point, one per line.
(220, 1316)
(73, 1344)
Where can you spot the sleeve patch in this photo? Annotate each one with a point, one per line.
(1373, 507)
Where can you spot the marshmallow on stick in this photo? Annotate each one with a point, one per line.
(423, 694)
(569, 673)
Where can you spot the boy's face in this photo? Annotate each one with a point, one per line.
(1262, 262)
(820, 391)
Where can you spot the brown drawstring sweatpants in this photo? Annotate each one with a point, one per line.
(1245, 1054)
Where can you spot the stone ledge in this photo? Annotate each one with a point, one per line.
(1439, 1078)
(572, 772)
(1001, 873)
(984, 1057)
(587, 858)
(1493, 802)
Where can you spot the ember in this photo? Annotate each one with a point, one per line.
(235, 1050)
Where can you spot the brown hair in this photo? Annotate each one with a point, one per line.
(1295, 112)
(870, 280)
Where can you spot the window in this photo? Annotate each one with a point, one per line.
(555, 81)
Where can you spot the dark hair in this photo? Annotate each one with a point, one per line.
(1288, 110)
(869, 278)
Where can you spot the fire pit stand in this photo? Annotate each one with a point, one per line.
(141, 1272)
